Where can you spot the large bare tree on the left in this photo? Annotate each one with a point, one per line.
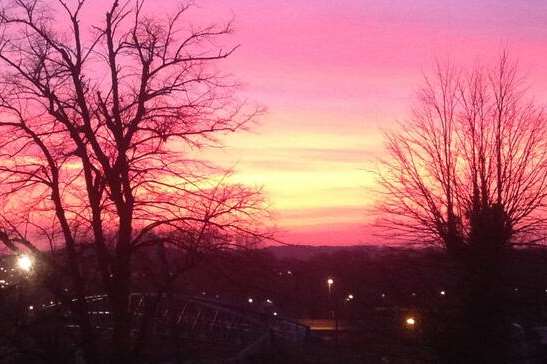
(100, 126)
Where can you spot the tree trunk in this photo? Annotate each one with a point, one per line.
(121, 336)
(488, 330)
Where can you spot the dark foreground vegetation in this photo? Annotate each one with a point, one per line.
(375, 291)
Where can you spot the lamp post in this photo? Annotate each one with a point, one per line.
(330, 284)
(333, 302)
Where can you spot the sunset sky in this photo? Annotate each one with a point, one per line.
(332, 75)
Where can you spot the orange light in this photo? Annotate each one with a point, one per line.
(410, 321)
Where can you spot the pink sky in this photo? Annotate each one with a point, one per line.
(332, 74)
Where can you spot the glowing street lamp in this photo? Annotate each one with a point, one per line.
(410, 322)
(24, 263)
(333, 302)
(250, 300)
(330, 282)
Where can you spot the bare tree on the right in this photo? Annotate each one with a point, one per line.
(468, 172)
(476, 140)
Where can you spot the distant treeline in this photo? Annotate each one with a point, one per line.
(375, 276)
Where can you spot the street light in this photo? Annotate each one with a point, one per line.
(410, 322)
(24, 262)
(333, 302)
(330, 282)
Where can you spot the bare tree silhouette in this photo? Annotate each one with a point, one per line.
(475, 141)
(468, 172)
(98, 130)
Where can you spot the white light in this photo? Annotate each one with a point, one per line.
(330, 281)
(275, 313)
(443, 293)
(268, 301)
(31, 308)
(289, 272)
(24, 263)
(383, 295)
(410, 321)
(250, 300)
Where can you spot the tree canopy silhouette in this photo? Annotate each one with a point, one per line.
(99, 132)
(476, 141)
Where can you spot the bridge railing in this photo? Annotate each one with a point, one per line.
(198, 320)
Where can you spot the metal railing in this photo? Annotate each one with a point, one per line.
(198, 320)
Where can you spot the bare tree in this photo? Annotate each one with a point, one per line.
(475, 141)
(98, 129)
